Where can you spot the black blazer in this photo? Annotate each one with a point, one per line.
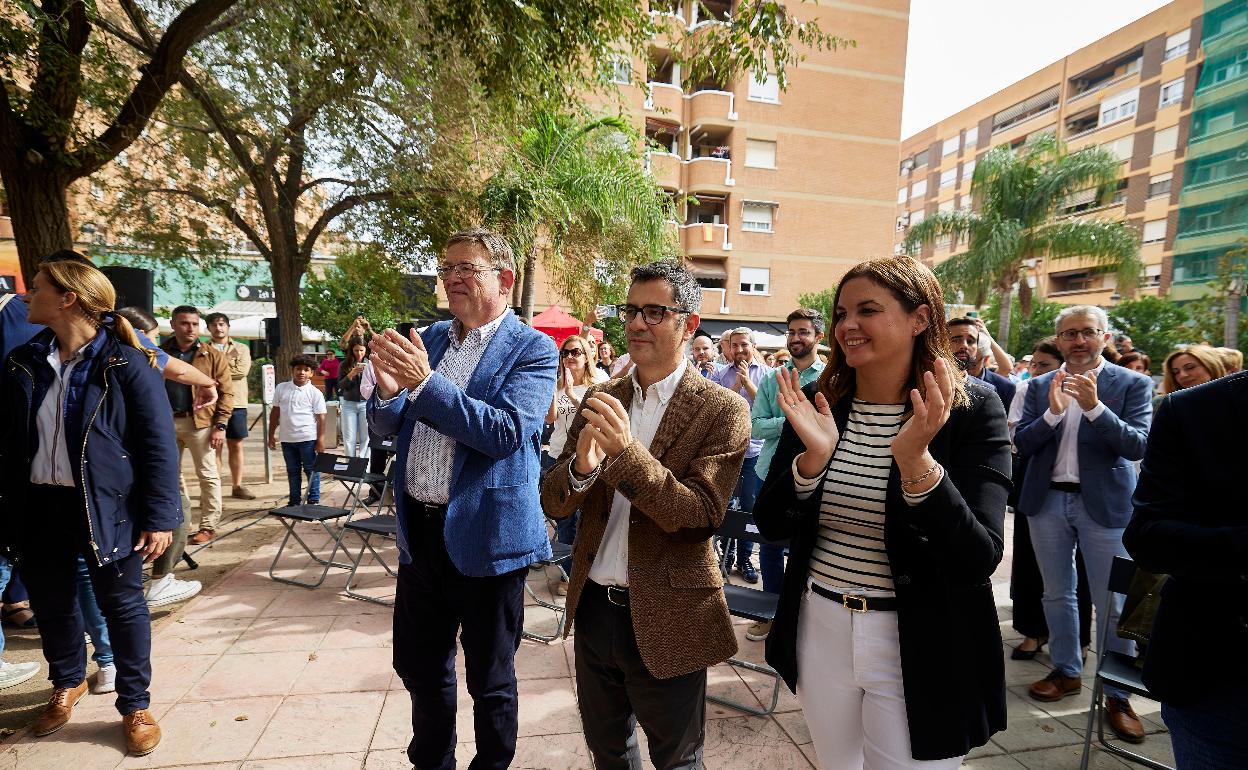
(942, 554)
(1191, 523)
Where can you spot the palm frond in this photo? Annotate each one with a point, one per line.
(1103, 242)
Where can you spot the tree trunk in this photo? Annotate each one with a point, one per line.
(516, 289)
(1003, 320)
(530, 288)
(40, 216)
(287, 272)
(1230, 332)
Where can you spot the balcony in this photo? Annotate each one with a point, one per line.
(711, 11)
(1112, 72)
(711, 106)
(705, 239)
(665, 168)
(708, 173)
(669, 21)
(665, 98)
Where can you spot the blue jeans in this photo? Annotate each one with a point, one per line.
(299, 456)
(745, 493)
(355, 428)
(1061, 522)
(1209, 734)
(565, 529)
(92, 618)
(6, 569)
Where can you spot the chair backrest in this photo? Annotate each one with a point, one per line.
(385, 444)
(340, 465)
(1121, 574)
(737, 526)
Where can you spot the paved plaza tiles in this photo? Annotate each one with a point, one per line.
(256, 675)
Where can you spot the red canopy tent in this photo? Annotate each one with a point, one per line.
(560, 325)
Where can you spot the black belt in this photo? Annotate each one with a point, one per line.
(858, 603)
(617, 595)
(415, 507)
(183, 414)
(1065, 486)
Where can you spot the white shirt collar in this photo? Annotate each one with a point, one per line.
(664, 388)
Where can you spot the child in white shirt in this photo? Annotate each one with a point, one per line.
(299, 413)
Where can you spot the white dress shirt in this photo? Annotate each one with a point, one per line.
(50, 464)
(1066, 464)
(610, 568)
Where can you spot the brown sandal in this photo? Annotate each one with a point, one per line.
(19, 615)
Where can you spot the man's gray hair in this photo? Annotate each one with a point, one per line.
(745, 331)
(1090, 310)
(493, 243)
(686, 291)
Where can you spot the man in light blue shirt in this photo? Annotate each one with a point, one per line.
(804, 334)
(743, 375)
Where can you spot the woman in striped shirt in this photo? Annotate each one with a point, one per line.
(890, 481)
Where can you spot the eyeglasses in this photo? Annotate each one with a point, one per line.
(1070, 335)
(799, 333)
(465, 270)
(571, 352)
(653, 314)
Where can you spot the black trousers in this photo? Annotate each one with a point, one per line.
(1027, 589)
(49, 551)
(435, 603)
(616, 691)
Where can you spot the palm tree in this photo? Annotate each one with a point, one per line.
(577, 193)
(1017, 219)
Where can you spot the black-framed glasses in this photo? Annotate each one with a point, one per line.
(465, 270)
(652, 314)
(571, 352)
(1070, 335)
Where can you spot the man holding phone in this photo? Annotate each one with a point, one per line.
(1083, 426)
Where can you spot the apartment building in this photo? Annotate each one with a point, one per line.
(789, 190)
(1129, 92)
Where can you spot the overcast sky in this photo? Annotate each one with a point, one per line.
(961, 51)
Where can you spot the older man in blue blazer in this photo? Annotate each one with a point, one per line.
(1083, 426)
(467, 400)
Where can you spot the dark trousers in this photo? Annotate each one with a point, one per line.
(616, 692)
(300, 456)
(748, 485)
(1209, 733)
(565, 528)
(1027, 588)
(377, 463)
(435, 602)
(49, 552)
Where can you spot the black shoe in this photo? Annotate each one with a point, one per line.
(372, 498)
(1018, 653)
(749, 573)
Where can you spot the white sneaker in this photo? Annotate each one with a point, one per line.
(105, 680)
(170, 590)
(13, 674)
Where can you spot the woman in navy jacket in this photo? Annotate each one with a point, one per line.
(88, 465)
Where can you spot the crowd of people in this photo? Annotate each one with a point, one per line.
(885, 446)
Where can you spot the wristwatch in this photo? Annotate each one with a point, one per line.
(219, 426)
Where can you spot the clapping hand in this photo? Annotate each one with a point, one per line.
(1082, 387)
(1059, 399)
(813, 423)
(589, 454)
(398, 363)
(931, 412)
(608, 422)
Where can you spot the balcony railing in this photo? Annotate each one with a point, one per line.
(712, 105)
(709, 171)
(664, 97)
(701, 236)
(665, 168)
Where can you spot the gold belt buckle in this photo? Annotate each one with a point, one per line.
(862, 603)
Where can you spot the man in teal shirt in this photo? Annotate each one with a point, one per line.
(805, 331)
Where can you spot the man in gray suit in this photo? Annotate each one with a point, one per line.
(1083, 425)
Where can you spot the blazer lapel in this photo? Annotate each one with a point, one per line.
(495, 355)
(685, 403)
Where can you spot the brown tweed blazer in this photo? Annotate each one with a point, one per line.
(679, 490)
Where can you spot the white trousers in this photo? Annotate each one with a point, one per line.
(849, 685)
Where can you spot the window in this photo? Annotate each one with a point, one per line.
(971, 141)
(920, 158)
(1120, 106)
(766, 91)
(968, 170)
(1155, 231)
(1152, 276)
(755, 280)
(619, 70)
(918, 188)
(950, 146)
(907, 166)
(1172, 93)
(903, 222)
(1159, 185)
(946, 207)
(903, 195)
(1225, 68)
(1121, 148)
(1177, 44)
(756, 217)
(948, 176)
(760, 153)
(917, 216)
(1165, 140)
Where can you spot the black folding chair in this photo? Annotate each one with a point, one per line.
(747, 603)
(351, 471)
(386, 526)
(1117, 670)
(560, 554)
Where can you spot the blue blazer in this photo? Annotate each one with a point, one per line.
(1107, 446)
(494, 520)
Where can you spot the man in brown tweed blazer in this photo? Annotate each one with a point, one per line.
(650, 462)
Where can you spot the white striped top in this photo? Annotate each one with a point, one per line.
(849, 551)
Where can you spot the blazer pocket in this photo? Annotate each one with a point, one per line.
(694, 577)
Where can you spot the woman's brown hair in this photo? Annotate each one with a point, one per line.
(96, 298)
(1204, 355)
(1126, 359)
(914, 285)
